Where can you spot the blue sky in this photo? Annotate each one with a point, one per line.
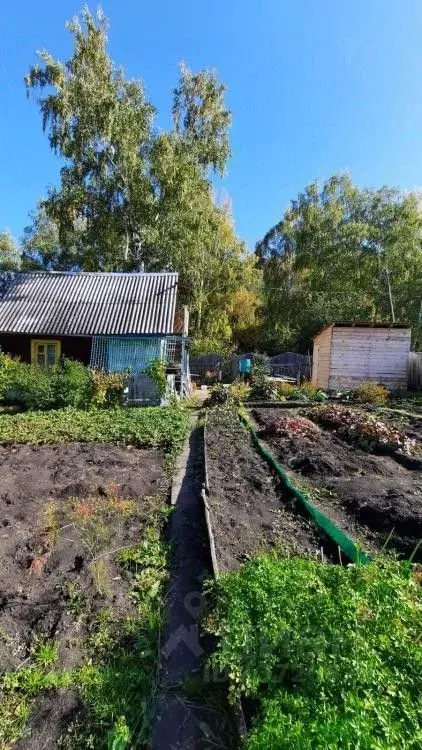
(315, 87)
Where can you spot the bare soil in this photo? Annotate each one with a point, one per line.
(368, 496)
(250, 511)
(44, 556)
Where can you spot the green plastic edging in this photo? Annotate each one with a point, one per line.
(329, 528)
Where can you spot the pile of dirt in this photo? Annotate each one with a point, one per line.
(250, 511)
(368, 496)
(46, 563)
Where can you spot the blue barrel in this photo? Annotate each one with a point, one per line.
(245, 366)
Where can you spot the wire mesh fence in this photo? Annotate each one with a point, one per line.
(133, 355)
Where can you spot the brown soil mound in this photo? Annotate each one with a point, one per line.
(46, 562)
(250, 512)
(367, 495)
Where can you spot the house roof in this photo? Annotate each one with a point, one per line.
(357, 324)
(87, 304)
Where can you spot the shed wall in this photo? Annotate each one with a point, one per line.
(321, 358)
(380, 355)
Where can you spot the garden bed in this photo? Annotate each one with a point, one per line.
(369, 496)
(250, 512)
(82, 574)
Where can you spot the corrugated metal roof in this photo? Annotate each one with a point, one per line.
(88, 304)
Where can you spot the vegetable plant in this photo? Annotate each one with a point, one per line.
(330, 655)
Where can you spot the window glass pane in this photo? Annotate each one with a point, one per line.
(51, 354)
(41, 355)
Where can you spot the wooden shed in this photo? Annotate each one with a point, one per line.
(347, 354)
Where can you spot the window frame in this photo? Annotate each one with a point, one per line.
(35, 343)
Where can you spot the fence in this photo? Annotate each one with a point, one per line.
(287, 364)
(415, 371)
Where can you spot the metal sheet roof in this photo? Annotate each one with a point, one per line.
(88, 304)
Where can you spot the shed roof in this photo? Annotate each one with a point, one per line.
(87, 304)
(355, 324)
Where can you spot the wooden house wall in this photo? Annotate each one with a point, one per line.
(73, 347)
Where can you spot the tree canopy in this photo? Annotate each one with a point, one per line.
(131, 197)
(341, 253)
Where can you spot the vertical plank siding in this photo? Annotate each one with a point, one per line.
(379, 355)
(415, 371)
(321, 358)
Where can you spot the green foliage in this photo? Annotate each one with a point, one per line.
(9, 253)
(131, 196)
(361, 428)
(370, 393)
(219, 395)
(239, 391)
(331, 257)
(68, 384)
(152, 426)
(107, 388)
(157, 372)
(331, 655)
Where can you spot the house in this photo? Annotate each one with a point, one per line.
(111, 321)
(346, 354)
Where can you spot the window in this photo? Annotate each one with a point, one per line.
(45, 353)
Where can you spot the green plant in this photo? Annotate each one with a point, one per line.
(151, 426)
(219, 395)
(370, 393)
(77, 599)
(157, 372)
(117, 677)
(45, 653)
(107, 388)
(329, 654)
(239, 391)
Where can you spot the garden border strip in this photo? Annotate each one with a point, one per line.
(346, 544)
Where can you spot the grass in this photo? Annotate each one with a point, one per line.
(118, 675)
(330, 655)
(163, 427)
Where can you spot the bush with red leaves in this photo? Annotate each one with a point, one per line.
(366, 430)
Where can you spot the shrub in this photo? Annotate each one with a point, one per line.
(219, 395)
(72, 385)
(370, 393)
(239, 391)
(68, 384)
(330, 655)
(107, 388)
(157, 372)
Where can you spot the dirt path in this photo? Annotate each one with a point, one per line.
(190, 712)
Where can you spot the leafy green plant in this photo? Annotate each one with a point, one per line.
(239, 391)
(157, 372)
(70, 383)
(330, 654)
(45, 653)
(148, 426)
(219, 395)
(370, 393)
